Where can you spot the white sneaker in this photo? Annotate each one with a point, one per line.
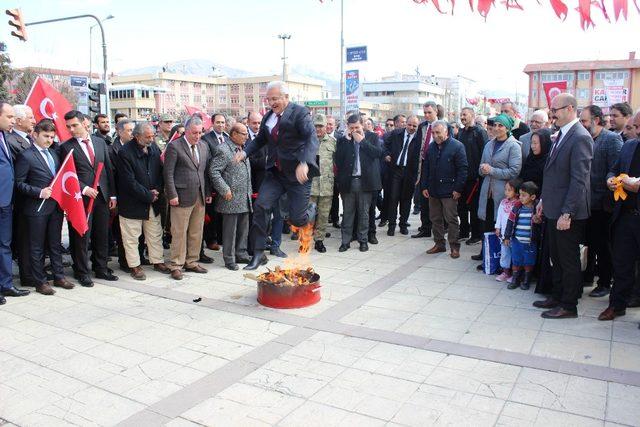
(502, 277)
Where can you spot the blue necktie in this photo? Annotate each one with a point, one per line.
(52, 165)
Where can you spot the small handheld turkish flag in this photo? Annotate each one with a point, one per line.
(551, 89)
(65, 189)
(206, 119)
(47, 103)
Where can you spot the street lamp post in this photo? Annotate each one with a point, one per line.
(91, 47)
(104, 47)
(284, 38)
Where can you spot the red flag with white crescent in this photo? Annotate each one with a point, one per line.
(47, 103)
(65, 189)
(551, 89)
(206, 119)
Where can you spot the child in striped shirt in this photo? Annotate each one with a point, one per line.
(521, 235)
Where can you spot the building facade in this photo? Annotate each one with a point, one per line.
(592, 82)
(404, 93)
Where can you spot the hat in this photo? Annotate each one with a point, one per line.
(166, 118)
(505, 120)
(320, 120)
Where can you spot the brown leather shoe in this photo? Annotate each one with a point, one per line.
(455, 253)
(137, 273)
(213, 246)
(559, 313)
(437, 249)
(45, 289)
(162, 268)
(195, 268)
(611, 313)
(548, 303)
(176, 274)
(64, 284)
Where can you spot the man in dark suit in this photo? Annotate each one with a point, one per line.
(402, 152)
(620, 113)
(425, 136)
(292, 146)
(187, 188)
(334, 213)
(565, 203)
(7, 121)
(35, 170)
(625, 228)
(88, 152)
(358, 176)
(606, 148)
(103, 128)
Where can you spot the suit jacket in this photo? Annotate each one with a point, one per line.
(566, 184)
(520, 130)
(393, 147)
(138, 174)
(370, 152)
(32, 175)
(622, 165)
(16, 143)
(606, 148)
(226, 175)
(113, 152)
(297, 141)
(258, 161)
(6, 174)
(182, 177)
(86, 172)
(212, 139)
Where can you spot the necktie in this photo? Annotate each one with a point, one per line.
(425, 146)
(50, 162)
(92, 156)
(220, 139)
(402, 161)
(30, 139)
(194, 154)
(356, 166)
(276, 128)
(555, 144)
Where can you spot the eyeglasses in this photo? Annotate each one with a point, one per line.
(555, 110)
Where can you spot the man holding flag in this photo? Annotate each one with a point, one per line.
(90, 157)
(36, 168)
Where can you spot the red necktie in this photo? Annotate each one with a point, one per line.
(276, 128)
(92, 156)
(427, 140)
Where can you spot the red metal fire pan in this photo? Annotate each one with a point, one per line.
(274, 296)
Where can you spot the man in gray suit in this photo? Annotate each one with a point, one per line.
(187, 189)
(232, 181)
(565, 203)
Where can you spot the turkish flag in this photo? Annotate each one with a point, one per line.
(551, 89)
(206, 119)
(47, 103)
(65, 189)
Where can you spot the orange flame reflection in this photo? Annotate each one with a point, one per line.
(297, 270)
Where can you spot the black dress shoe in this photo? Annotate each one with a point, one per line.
(404, 230)
(416, 211)
(473, 241)
(343, 247)
(107, 276)
(327, 234)
(3, 300)
(336, 225)
(319, 246)
(145, 261)
(242, 260)
(383, 223)
(373, 239)
(559, 313)
(205, 259)
(258, 259)
(15, 292)
(599, 291)
(364, 247)
(85, 281)
(476, 257)
(391, 232)
(125, 268)
(232, 266)
(276, 251)
(548, 303)
(634, 302)
(421, 234)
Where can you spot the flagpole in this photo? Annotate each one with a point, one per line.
(55, 178)
(26, 100)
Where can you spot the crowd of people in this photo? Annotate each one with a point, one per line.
(545, 189)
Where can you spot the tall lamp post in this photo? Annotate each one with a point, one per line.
(91, 47)
(284, 38)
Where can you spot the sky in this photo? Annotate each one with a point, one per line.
(400, 36)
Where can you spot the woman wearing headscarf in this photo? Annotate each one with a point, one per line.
(533, 166)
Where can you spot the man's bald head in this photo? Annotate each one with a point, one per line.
(254, 120)
(238, 133)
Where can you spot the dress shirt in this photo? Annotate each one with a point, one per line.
(408, 137)
(24, 135)
(271, 121)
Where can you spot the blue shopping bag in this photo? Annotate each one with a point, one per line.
(490, 253)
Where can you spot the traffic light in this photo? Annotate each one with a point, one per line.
(96, 90)
(17, 21)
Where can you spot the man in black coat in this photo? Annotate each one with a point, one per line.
(401, 153)
(35, 169)
(425, 136)
(88, 152)
(292, 147)
(473, 137)
(358, 177)
(444, 174)
(140, 184)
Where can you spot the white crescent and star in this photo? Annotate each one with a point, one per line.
(43, 109)
(66, 176)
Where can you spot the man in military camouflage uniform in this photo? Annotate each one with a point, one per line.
(322, 186)
(164, 129)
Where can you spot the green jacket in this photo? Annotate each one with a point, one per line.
(323, 185)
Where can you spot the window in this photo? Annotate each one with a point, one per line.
(583, 93)
(535, 77)
(197, 99)
(223, 99)
(534, 93)
(584, 75)
(235, 88)
(248, 87)
(234, 99)
(557, 77)
(611, 75)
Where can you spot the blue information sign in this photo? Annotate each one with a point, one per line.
(356, 54)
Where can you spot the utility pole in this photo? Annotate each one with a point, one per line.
(284, 38)
(91, 47)
(342, 100)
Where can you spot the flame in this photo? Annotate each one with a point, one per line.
(289, 277)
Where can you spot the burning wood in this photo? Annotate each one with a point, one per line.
(289, 277)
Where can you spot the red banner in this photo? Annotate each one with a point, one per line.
(65, 189)
(551, 89)
(206, 119)
(47, 103)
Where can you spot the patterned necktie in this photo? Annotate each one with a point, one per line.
(194, 154)
(276, 128)
(92, 156)
(50, 162)
(220, 139)
(425, 147)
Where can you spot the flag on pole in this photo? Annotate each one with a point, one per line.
(551, 89)
(47, 103)
(65, 189)
(206, 119)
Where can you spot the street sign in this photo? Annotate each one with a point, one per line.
(316, 103)
(352, 84)
(78, 81)
(357, 54)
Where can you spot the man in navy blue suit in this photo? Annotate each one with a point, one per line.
(7, 121)
(292, 148)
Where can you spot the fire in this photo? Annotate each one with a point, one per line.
(290, 277)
